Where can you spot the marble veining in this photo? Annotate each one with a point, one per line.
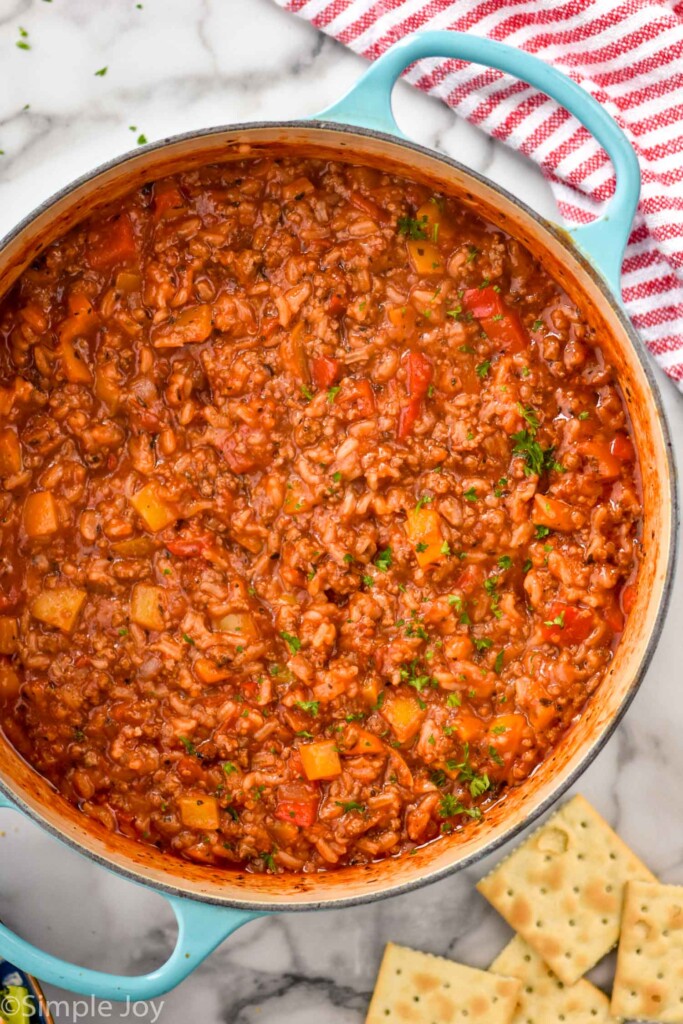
(175, 65)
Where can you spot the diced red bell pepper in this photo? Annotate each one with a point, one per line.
(614, 617)
(407, 416)
(567, 624)
(357, 396)
(324, 371)
(419, 374)
(622, 448)
(337, 301)
(502, 325)
(190, 547)
(111, 242)
(297, 802)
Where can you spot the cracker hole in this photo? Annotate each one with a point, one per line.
(656, 999)
(609, 888)
(660, 976)
(575, 888)
(605, 920)
(539, 924)
(571, 923)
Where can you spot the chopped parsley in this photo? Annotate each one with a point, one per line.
(368, 581)
(472, 253)
(499, 488)
(421, 546)
(537, 324)
(470, 494)
(292, 642)
(228, 767)
(482, 643)
(495, 756)
(424, 500)
(584, 415)
(102, 72)
(411, 227)
(542, 531)
(312, 706)
(453, 700)
(483, 368)
(189, 745)
(505, 562)
(557, 621)
(306, 392)
(537, 459)
(350, 805)
(383, 560)
(332, 393)
(449, 807)
(189, 640)
(498, 663)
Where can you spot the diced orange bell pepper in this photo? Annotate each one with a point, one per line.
(366, 743)
(404, 714)
(10, 683)
(40, 515)
(324, 371)
(147, 604)
(194, 325)
(59, 607)
(403, 320)
(551, 512)
(199, 812)
(424, 533)
(468, 728)
(533, 697)
(111, 242)
(320, 759)
(9, 635)
(425, 257)
(240, 623)
(10, 453)
(168, 200)
(567, 624)
(152, 508)
(297, 802)
(506, 733)
(75, 368)
(501, 324)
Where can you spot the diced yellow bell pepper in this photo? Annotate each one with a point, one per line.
(207, 671)
(107, 387)
(75, 369)
(404, 715)
(239, 623)
(551, 512)
(320, 760)
(10, 452)
(424, 533)
(128, 281)
(40, 514)
(9, 634)
(10, 683)
(152, 508)
(147, 606)
(425, 257)
(59, 607)
(200, 812)
(133, 547)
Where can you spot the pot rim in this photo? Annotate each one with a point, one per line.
(564, 239)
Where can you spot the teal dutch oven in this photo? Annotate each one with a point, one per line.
(209, 903)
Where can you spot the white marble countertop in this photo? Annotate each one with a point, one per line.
(174, 65)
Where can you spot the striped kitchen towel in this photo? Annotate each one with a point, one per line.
(629, 55)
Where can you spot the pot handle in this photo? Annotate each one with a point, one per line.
(368, 105)
(201, 927)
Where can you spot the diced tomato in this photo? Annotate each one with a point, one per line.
(168, 199)
(419, 374)
(337, 301)
(368, 206)
(628, 597)
(607, 464)
(190, 547)
(111, 242)
(470, 578)
(567, 624)
(324, 371)
(614, 617)
(407, 416)
(297, 802)
(622, 448)
(502, 325)
(357, 397)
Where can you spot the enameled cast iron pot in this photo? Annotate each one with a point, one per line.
(210, 904)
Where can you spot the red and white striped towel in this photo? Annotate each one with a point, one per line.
(628, 54)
